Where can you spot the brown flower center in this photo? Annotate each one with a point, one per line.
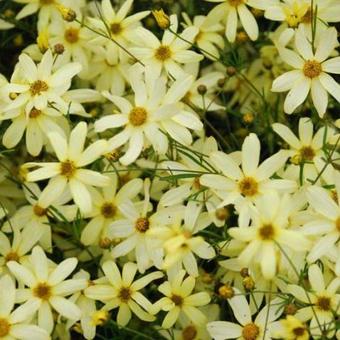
(68, 169)
(299, 331)
(248, 186)
(250, 331)
(163, 53)
(12, 256)
(177, 300)
(42, 291)
(267, 232)
(4, 327)
(37, 87)
(39, 211)
(235, 3)
(108, 210)
(307, 153)
(124, 294)
(222, 214)
(34, 113)
(71, 35)
(116, 28)
(312, 68)
(337, 224)
(324, 303)
(189, 332)
(138, 116)
(142, 224)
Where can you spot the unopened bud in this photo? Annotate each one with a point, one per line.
(202, 89)
(59, 49)
(221, 82)
(42, 41)
(290, 309)
(231, 71)
(248, 283)
(163, 20)
(248, 118)
(244, 272)
(68, 14)
(226, 291)
(242, 37)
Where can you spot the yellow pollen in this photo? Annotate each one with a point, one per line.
(4, 327)
(116, 28)
(235, 3)
(39, 211)
(42, 291)
(142, 224)
(163, 53)
(177, 300)
(250, 331)
(68, 169)
(307, 153)
(71, 35)
(293, 20)
(37, 87)
(12, 256)
(189, 332)
(34, 113)
(248, 186)
(124, 294)
(138, 116)
(108, 210)
(267, 232)
(312, 69)
(324, 303)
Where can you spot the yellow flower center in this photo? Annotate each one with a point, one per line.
(163, 53)
(235, 3)
(124, 294)
(37, 87)
(250, 331)
(248, 186)
(71, 35)
(105, 243)
(189, 332)
(108, 210)
(116, 28)
(266, 232)
(138, 116)
(46, 2)
(67, 169)
(4, 327)
(307, 153)
(324, 303)
(39, 211)
(142, 224)
(177, 300)
(337, 224)
(226, 291)
(42, 291)
(34, 113)
(12, 256)
(312, 69)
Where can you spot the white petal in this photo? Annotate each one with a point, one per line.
(297, 95)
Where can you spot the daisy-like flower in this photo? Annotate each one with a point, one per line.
(121, 291)
(208, 39)
(179, 300)
(135, 228)
(107, 207)
(234, 9)
(294, 13)
(34, 216)
(243, 186)
(322, 302)
(47, 287)
(246, 328)
(325, 226)
(36, 86)
(180, 241)
(154, 112)
(118, 26)
(21, 244)
(13, 323)
(68, 172)
(310, 72)
(290, 328)
(169, 54)
(270, 222)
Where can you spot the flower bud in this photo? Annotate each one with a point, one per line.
(163, 20)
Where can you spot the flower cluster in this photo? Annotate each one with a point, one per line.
(154, 180)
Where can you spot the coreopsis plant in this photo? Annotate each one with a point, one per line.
(152, 185)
